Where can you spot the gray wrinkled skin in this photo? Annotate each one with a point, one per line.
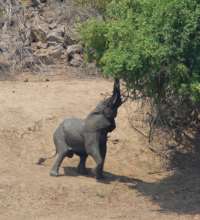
(88, 136)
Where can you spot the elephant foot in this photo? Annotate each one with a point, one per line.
(100, 177)
(54, 173)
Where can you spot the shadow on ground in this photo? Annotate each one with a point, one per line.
(108, 177)
(179, 193)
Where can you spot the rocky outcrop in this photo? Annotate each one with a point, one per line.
(40, 32)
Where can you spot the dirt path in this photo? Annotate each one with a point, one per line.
(29, 114)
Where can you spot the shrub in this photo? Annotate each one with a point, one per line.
(154, 46)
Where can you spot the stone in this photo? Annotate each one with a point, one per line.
(47, 56)
(74, 49)
(39, 45)
(29, 61)
(4, 66)
(76, 61)
(68, 41)
(54, 38)
(38, 35)
(56, 35)
(35, 3)
(52, 25)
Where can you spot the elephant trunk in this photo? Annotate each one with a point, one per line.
(116, 100)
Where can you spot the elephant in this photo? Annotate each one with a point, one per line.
(87, 136)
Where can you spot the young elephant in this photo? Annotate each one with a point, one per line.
(88, 136)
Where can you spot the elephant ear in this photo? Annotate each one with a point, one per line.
(95, 122)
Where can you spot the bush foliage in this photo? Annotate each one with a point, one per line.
(154, 46)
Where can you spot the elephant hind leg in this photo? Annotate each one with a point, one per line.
(63, 151)
(55, 169)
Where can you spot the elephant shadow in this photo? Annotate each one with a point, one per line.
(108, 177)
(178, 193)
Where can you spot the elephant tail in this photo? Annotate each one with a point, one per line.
(41, 160)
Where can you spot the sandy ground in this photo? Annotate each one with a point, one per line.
(134, 187)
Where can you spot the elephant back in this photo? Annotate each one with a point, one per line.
(73, 130)
(95, 122)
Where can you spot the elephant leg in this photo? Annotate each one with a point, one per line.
(63, 151)
(81, 167)
(55, 169)
(99, 161)
(103, 150)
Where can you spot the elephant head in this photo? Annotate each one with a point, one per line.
(103, 116)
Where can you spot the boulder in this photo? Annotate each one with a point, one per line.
(4, 66)
(35, 3)
(39, 45)
(3, 49)
(38, 35)
(52, 25)
(74, 49)
(76, 61)
(68, 41)
(47, 56)
(30, 61)
(55, 38)
(56, 35)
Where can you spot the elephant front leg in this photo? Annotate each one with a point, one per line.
(92, 145)
(99, 164)
(81, 167)
(55, 169)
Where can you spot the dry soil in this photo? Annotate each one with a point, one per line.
(135, 186)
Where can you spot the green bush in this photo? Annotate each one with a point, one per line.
(154, 46)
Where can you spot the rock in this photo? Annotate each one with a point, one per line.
(54, 38)
(56, 35)
(74, 49)
(29, 61)
(2, 23)
(38, 35)
(55, 52)
(50, 20)
(74, 55)
(68, 41)
(35, 3)
(47, 56)
(39, 45)
(52, 44)
(52, 25)
(23, 51)
(3, 49)
(76, 61)
(4, 66)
